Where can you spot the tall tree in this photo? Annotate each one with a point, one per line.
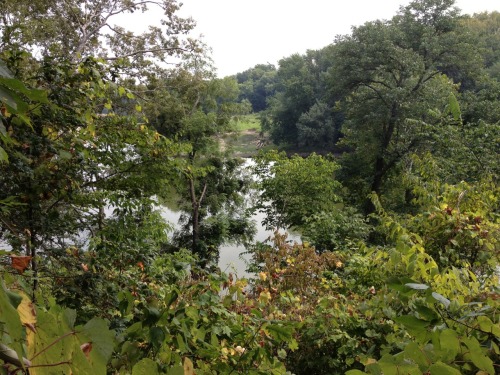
(87, 147)
(257, 85)
(300, 113)
(392, 73)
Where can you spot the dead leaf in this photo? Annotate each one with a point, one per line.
(188, 367)
(20, 263)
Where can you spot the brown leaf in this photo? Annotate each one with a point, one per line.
(20, 263)
(30, 326)
(86, 349)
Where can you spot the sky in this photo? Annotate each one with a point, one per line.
(243, 33)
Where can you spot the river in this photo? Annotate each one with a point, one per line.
(231, 256)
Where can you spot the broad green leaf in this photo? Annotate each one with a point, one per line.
(412, 322)
(477, 356)
(355, 372)
(7, 97)
(145, 366)
(440, 368)
(450, 345)
(176, 370)
(102, 339)
(18, 86)
(487, 325)
(399, 284)
(12, 323)
(279, 332)
(4, 71)
(426, 313)
(65, 155)
(55, 342)
(391, 368)
(156, 336)
(416, 354)
(454, 107)
(416, 327)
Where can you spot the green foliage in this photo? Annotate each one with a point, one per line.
(82, 172)
(292, 189)
(48, 340)
(219, 332)
(298, 114)
(335, 230)
(257, 85)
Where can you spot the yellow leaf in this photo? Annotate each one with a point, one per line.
(26, 310)
(188, 367)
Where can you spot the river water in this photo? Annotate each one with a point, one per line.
(231, 256)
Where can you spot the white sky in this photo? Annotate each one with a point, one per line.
(243, 33)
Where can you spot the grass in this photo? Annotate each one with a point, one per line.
(245, 141)
(247, 122)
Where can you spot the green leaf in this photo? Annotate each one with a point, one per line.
(12, 323)
(417, 286)
(176, 370)
(19, 87)
(477, 356)
(102, 339)
(3, 155)
(412, 322)
(416, 354)
(4, 71)
(450, 344)
(414, 326)
(426, 313)
(279, 333)
(145, 366)
(454, 106)
(156, 336)
(486, 325)
(440, 368)
(438, 297)
(64, 155)
(355, 372)
(8, 98)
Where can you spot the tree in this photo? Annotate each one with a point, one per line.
(392, 72)
(292, 189)
(88, 146)
(301, 96)
(194, 108)
(257, 85)
(74, 30)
